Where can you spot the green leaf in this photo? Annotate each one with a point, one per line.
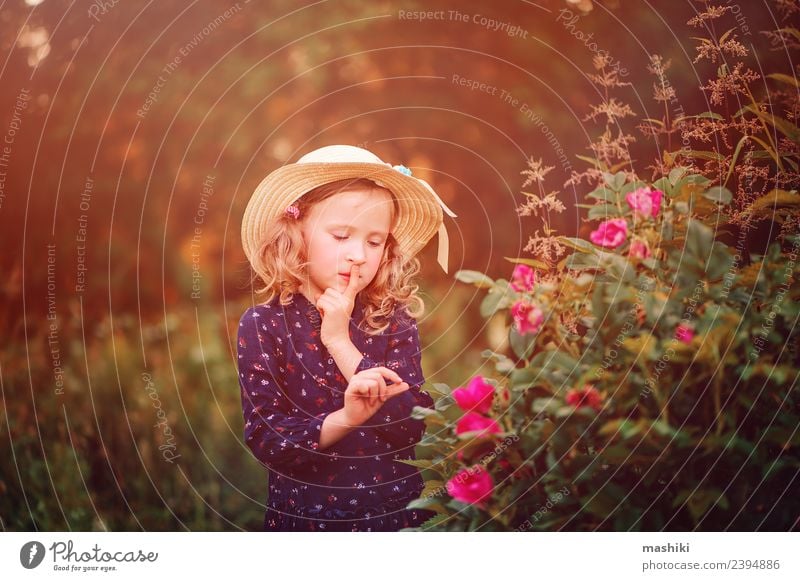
(719, 194)
(421, 412)
(704, 115)
(662, 428)
(579, 261)
(604, 211)
(699, 239)
(654, 121)
(618, 266)
(595, 162)
(616, 454)
(738, 150)
(786, 127)
(694, 180)
(432, 488)
(623, 427)
(790, 30)
(768, 203)
(523, 378)
(630, 186)
(433, 522)
(529, 261)
(502, 363)
(604, 501)
(555, 361)
(675, 174)
(615, 181)
(651, 263)
(490, 304)
(699, 154)
(578, 244)
(422, 463)
(442, 388)
(602, 194)
(664, 185)
(521, 345)
(497, 298)
(787, 79)
(548, 405)
(725, 36)
(701, 500)
(719, 263)
(584, 467)
(479, 279)
(428, 504)
(431, 417)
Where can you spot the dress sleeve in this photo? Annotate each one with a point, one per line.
(393, 420)
(280, 435)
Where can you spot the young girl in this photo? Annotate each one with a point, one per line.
(329, 362)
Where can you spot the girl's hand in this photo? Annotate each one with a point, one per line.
(368, 391)
(336, 309)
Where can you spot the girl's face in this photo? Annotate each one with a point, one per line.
(345, 229)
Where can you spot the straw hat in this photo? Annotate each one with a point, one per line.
(420, 215)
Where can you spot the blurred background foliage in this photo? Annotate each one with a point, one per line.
(256, 86)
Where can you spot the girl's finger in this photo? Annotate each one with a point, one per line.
(380, 387)
(383, 372)
(383, 391)
(360, 389)
(334, 296)
(389, 374)
(325, 301)
(374, 391)
(383, 388)
(397, 389)
(324, 306)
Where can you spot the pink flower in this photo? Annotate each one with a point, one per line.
(474, 422)
(586, 396)
(528, 318)
(645, 202)
(639, 249)
(477, 395)
(611, 233)
(684, 333)
(472, 485)
(293, 211)
(523, 278)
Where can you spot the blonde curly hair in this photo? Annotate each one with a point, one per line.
(280, 263)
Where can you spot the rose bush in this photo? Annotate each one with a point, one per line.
(669, 405)
(649, 380)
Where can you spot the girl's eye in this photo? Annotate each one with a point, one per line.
(371, 243)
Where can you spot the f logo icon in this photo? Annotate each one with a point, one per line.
(31, 554)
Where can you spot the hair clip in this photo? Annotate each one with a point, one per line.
(293, 211)
(402, 169)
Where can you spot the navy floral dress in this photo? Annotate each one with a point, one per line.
(290, 383)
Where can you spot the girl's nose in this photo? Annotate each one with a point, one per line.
(356, 254)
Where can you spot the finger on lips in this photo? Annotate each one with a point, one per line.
(352, 282)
